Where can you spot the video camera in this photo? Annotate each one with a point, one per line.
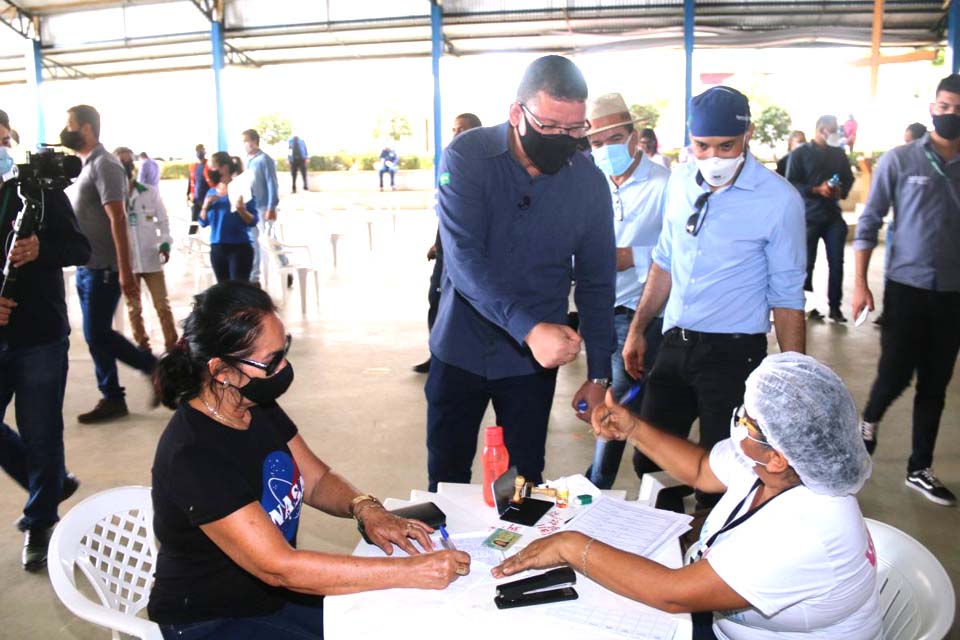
(45, 169)
(48, 169)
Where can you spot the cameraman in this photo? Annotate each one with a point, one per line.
(98, 200)
(33, 355)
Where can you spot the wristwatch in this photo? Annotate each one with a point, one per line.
(603, 382)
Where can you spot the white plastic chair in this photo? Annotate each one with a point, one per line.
(292, 259)
(109, 538)
(916, 596)
(653, 483)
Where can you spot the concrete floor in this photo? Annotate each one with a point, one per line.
(362, 409)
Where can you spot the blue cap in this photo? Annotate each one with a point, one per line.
(719, 111)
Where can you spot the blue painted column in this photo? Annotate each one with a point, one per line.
(216, 41)
(436, 50)
(953, 35)
(34, 68)
(689, 12)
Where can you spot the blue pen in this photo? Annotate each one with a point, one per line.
(445, 540)
(627, 398)
(632, 392)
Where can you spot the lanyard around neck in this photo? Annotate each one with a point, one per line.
(934, 163)
(731, 524)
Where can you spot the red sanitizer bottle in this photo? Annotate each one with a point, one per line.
(495, 461)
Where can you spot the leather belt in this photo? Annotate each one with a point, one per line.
(621, 310)
(687, 335)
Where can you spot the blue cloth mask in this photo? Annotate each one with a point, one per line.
(6, 161)
(613, 159)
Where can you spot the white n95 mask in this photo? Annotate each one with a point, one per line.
(719, 171)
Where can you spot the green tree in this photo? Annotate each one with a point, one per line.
(274, 128)
(646, 114)
(392, 125)
(772, 126)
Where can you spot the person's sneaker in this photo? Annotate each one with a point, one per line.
(932, 489)
(868, 431)
(106, 410)
(35, 544)
(289, 281)
(837, 316)
(814, 315)
(70, 485)
(423, 367)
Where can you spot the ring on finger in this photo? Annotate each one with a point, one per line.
(461, 570)
(409, 525)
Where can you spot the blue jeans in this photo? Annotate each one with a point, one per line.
(834, 234)
(293, 622)
(456, 402)
(232, 261)
(36, 377)
(607, 455)
(99, 292)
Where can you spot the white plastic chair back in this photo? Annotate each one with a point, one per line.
(109, 538)
(916, 596)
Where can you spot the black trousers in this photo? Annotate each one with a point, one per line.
(834, 234)
(301, 167)
(920, 333)
(456, 402)
(699, 377)
(231, 261)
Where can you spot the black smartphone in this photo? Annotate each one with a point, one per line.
(540, 597)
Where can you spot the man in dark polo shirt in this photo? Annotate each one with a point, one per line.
(521, 215)
(98, 198)
(811, 170)
(921, 298)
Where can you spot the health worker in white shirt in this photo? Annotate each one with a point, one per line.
(786, 552)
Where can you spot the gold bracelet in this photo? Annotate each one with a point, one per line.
(362, 498)
(583, 558)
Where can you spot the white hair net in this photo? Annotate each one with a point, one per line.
(806, 413)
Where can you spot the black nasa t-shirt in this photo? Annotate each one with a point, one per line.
(202, 472)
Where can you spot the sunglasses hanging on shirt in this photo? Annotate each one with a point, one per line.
(699, 215)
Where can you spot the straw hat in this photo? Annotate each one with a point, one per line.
(609, 104)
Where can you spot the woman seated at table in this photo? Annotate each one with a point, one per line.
(786, 552)
(229, 479)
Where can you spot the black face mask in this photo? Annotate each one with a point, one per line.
(547, 153)
(947, 125)
(128, 167)
(215, 176)
(201, 155)
(71, 139)
(264, 391)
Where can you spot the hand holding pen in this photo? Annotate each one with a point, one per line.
(614, 421)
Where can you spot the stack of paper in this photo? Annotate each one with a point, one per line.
(629, 526)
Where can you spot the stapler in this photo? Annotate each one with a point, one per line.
(553, 586)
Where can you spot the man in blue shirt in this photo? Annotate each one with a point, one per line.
(731, 249)
(264, 186)
(521, 215)
(297, 158)
(637, 188)
(921, 299)
(389, 162)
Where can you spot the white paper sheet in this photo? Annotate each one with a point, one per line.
(629, 526)
(627, 624)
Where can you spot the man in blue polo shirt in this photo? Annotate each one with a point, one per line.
(637, 188)
(921, 298)
(732, 248)
(521, 215)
